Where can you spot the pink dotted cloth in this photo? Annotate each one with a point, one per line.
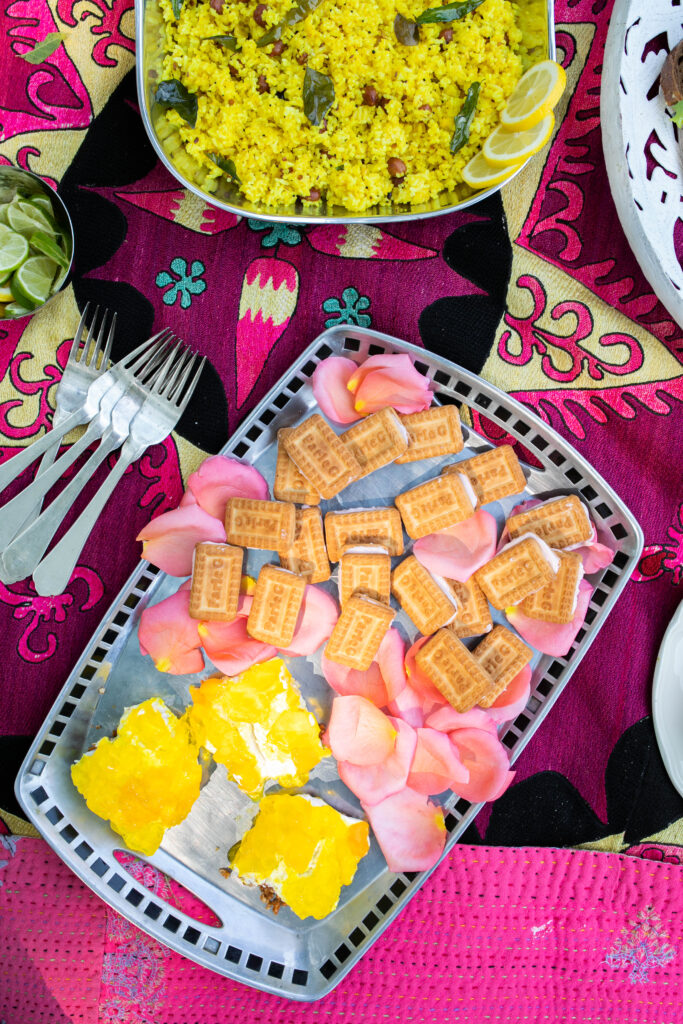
(536, 934)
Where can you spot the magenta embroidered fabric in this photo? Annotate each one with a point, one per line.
(536, 290)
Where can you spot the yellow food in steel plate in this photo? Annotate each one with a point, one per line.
(389, 130)
(304, 850)
(258, 726)
(146, 778)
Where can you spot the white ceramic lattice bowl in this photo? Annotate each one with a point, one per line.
(640, 141)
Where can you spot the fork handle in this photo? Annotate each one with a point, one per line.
(54, 572)
(13, 515)
(13, 467)
(21, 557)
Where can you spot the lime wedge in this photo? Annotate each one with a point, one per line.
(15, 309)
(3, 212)
(60, 278)
(26, 218)
(13, 251)
(43, 203)
(45, 244)
(32, 281)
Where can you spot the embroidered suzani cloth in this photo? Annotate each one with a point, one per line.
(537, 290)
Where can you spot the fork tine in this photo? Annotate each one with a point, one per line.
(144, 347)
(150, 371)
(181, 399)
(166, 368)
(169, 384)
(76, 344)
(92, 361)
(148, 356)
(107, 347)
(91, 331)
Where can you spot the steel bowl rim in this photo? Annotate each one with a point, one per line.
(69, 223)
(297, 218)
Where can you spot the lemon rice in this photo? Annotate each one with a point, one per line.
(388, 133)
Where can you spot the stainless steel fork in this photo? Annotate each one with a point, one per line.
(112, 384)
(152, 424)
(82, 368)
(75, 402)
(116, 413)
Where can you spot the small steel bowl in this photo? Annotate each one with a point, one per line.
(15, 179)
(150, 32)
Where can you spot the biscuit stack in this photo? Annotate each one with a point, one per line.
(535, 570)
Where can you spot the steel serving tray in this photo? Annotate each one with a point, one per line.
(299, 959)
(149, 32)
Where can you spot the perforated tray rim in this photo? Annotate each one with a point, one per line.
(218, 948)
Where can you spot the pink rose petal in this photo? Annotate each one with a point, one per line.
(552, 637)
(171, 638)
(417, 679)
(391, 661)
(461, 549)
(374, 782)
(230, 647)
(408, 705)
(410, 830)
(348, 681)
(389, 380)
(485, 757)
(221, 477)
(359, 732)
(330, 388)
(594, 556)
(170, 539)
(317, 618)
(436, 765)
(447, 719)
(513, 699)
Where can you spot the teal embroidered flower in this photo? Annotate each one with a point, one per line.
(349, 310)
(284, 233)
(184, 283)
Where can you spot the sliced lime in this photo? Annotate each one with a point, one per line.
(60, 278)
(43, 202)
(32, 281)
(3, 212)
(45, 244)
(5, 294)
(13, 251)
(26, 218)
(15, 309)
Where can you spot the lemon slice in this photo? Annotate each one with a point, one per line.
(5, 294)
(534, 96)
(32, 281)
(479, 174)
(503, 148)
(13, 251)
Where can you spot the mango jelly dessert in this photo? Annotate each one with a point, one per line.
(304, 850)
(144, 780)
(258, 726)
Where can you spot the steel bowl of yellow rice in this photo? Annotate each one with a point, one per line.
(324, 111)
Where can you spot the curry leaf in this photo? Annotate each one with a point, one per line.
(43, 49)
(318, 95)
(228, 42)
(177, 6)
(451, 12)
(292, 17)
(463, 120)
(227, 166)
(173, 94)
(406, 31)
